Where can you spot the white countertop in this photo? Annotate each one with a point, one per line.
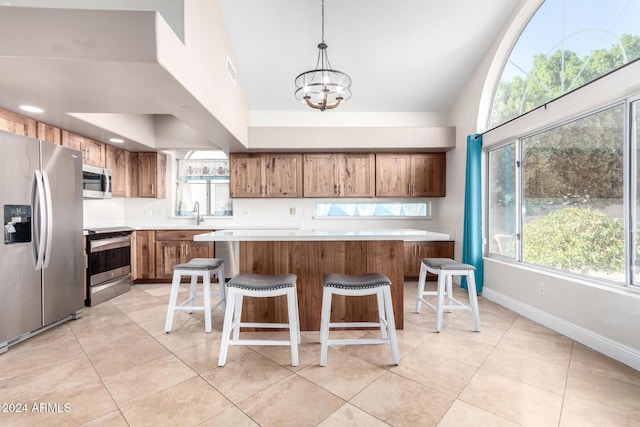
(312, 235)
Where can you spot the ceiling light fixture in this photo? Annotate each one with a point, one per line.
(323, 88)
(116, 140)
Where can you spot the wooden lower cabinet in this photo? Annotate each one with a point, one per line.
(176, 247)
(143, 264)
(158, 251)
(415, 251)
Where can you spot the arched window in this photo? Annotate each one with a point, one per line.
(203, 177)
(566, 44)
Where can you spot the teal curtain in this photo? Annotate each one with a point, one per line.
(472, 240)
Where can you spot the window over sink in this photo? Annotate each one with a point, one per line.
(203, 177)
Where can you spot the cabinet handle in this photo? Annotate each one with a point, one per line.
(187, 248)
(408, 189)
(151, 188)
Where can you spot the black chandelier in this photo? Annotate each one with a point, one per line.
(323, 88)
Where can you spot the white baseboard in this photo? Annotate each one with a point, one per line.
(620, 352)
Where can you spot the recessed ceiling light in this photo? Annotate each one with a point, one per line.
(116, 140)
(31, 109)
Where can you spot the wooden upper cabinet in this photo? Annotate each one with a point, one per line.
(151, 171)
(15, 123)
(411, 175)
(49, 133)
(428, 175)
(73, 141)
(93, 152)
(358, 175)
(266, 175)
(321, 175)
(118, 161)
(392, 175)
(339, 175)
(246, 175)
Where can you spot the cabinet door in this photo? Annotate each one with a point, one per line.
(168, 255)
(49, 133)
(392, 175)
(144, 262)
(411, 261)
(118, 161)
(415, 251)
(15, 123)
(171, 253)
(152, 175)
(73, 141)
(246, 175)
(95, 153)
(283, 175)
(197, 250)
(358, 175)
(428, 175)
(321, 173)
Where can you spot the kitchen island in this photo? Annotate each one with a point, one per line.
(309, 254)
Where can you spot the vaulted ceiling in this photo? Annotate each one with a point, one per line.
(403, 56)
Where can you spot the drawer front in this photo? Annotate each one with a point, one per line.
(172, 235)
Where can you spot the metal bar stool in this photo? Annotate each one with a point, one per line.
(359, 285)
(446, 268)
(259, 285)
(195, 268)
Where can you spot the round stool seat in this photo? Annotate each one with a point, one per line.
(200, 264)
(262, 282)
(358, 281)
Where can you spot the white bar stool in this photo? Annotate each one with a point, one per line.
(446, 268)
(259, 285)
(195, 268)
(359, 285)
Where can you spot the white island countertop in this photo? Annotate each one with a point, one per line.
(312, 235)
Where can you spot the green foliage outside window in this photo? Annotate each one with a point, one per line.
(557, 74)
(578, 239)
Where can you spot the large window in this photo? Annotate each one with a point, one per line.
(557, 197)
(566, 44)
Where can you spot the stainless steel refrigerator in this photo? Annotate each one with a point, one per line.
(41, 258)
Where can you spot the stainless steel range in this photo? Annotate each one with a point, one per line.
(108, 263)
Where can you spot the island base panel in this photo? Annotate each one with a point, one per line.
(309, 261)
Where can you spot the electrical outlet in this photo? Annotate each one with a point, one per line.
(246, 212)
(292, 211)
(542, 289)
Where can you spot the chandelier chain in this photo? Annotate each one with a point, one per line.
(323, 21)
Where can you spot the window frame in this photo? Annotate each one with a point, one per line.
(631, 158)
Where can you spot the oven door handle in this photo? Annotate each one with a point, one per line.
(110, 243)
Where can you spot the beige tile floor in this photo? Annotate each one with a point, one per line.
(115, 366)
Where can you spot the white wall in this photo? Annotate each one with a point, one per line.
(602, 317)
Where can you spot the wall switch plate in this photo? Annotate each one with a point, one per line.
(292, 211)
(542, 288)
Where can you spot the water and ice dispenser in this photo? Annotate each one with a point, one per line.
(17, 224)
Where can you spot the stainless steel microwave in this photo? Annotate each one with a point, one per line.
(96, 182)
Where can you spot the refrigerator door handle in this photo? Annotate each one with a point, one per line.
(40, 234)
(49, 225)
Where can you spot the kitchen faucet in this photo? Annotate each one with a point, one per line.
(196, 210)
